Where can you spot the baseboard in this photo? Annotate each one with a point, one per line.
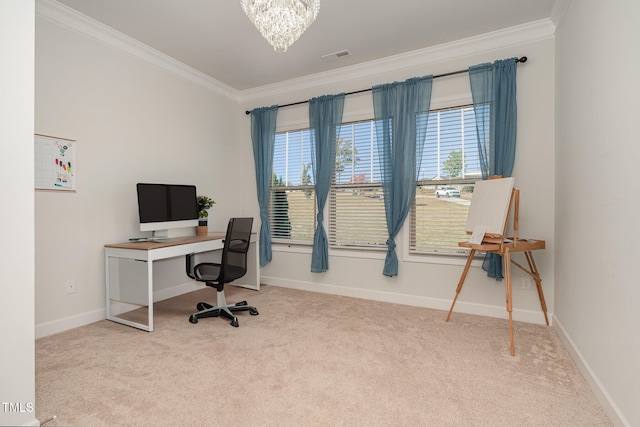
(529, 316)
(499, 312)
(61, 325)
(34, 422)
(610, 408)
(82, 319)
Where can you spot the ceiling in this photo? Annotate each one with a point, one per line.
(217, 39)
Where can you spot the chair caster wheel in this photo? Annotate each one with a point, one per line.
(193, 319)
(253, 312)
(241, 303)
(234, 322)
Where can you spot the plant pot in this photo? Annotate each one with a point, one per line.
(202, 230)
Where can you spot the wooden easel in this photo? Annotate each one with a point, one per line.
(504, 246)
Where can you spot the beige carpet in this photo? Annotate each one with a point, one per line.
(310, 359)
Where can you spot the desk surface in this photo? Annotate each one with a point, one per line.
(165, 243)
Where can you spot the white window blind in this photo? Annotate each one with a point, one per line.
(450, 164)
(292, 206)
(356, 205)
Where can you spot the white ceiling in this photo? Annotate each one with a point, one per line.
(216, 38)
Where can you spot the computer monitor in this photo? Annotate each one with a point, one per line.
(165, 206)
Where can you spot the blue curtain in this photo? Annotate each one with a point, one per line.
(400, 141)
(493, 87)
(325, 115)
(263, 133)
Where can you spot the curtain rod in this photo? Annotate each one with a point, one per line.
(522, 59)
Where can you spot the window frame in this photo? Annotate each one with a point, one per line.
(446, 123)
(336, 188)
(284, 241)
(405, 232)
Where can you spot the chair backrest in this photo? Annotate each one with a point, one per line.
(236, 246)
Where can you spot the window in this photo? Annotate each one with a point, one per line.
(292, 203)
(356, 205)
(449, 167)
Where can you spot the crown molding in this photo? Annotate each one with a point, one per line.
(69, 18)
(508, 37)
(559, 10)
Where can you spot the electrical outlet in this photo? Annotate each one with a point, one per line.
(70, 287)
(526, 283)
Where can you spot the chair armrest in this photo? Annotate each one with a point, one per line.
(188, 264)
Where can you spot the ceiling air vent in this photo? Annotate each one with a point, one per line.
(336, 55)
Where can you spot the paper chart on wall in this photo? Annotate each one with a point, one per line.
(55, 163)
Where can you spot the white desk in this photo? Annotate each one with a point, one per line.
(129, 273)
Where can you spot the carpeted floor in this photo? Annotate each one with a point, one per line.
(310, 359)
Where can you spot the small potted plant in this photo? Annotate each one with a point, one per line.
(204, 203)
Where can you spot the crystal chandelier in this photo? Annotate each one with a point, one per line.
(281, 22)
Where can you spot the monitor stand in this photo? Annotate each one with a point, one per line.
(161, 235)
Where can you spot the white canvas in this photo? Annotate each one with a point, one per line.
(490, 205)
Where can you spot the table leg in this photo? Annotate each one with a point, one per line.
(150, 294)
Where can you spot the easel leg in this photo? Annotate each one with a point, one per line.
(461, 282)
(536, 277)
(507, 275)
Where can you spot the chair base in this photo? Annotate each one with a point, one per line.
(222, 309)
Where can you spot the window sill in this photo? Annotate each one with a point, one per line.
(379, 254)
(359, 253)
(344, 253)
(444, 259)
(291, 247)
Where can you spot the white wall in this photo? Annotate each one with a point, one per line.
(433, 283)
(17, 366)
(134, 121)
(597, 197)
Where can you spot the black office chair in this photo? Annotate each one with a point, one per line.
(232, 266)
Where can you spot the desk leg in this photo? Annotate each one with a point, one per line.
(461, 282)
(507, 275)
(150, 294)
(107, 279)
(126, 279)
